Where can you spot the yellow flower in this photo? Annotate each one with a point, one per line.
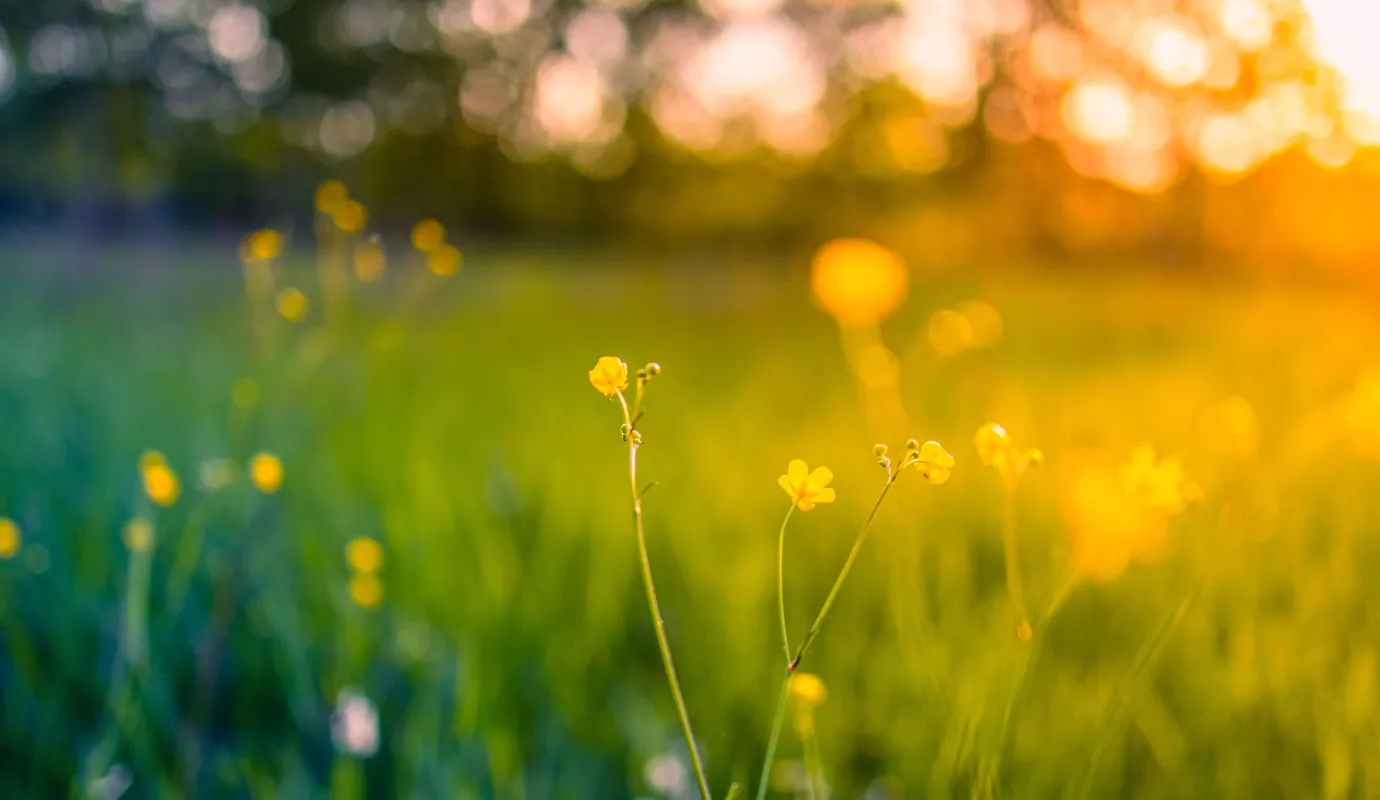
(995, 448)
(444, 260)
(858, 282)
(10, 538)
(934, 462)
(427, 235)
(160, 482)
(366, 590)
(1159, 483)
(807, 488)
(263, 245)
(609, 376)
(808, 689)
(364, 555)
(350, 216)
(266, 471)
(370, 262)
(1109, 524)
(138, 535)
(992, 443)
(330, 196)
(292, 304)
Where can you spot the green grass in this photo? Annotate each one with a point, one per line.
(513, 655)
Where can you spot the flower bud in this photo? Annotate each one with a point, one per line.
(653, 369)
(912, 445)
(879, 450)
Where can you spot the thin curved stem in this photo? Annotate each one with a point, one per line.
(1013, 559)
(781, 581)
(655, 608)
(794, 662)
(843, 574)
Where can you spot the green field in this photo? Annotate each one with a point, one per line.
(512, 654)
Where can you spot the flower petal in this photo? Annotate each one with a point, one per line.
(820, 478)
(798, 471)
(805, 505)
(786, 484)
(825, 496)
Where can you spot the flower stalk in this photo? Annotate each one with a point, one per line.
(610, 378)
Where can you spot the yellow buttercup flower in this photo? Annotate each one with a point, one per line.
(366, 590)
(808, 689)
(427, 235)
(1160, 483)
(995, 448)
(138, 535)
(807, 488)
(11, 540)
(934, 462)
(160, 482)
(264, 245)
(444, 260)
(364, 555)
(266, 471)
(330, 196)
(292, 304)
(350, 216)
(1109, 524)
(370, 262)
(609, 376)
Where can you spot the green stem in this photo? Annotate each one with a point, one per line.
(843, 574)
(655, 608)
(794, 663)
(1013, 559)
(781, 581)
(775, 736)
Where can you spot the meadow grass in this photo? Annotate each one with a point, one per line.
(511, 654)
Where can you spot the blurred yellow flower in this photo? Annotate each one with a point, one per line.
(1120, 514)
(950, 332)
(11, 540)
(808, 689)
(427, 235)
(1159, 483)
(160, 482)
(263, 245)
(858, 282)
(1230, 428)
(934, 462)
(366, 590)
(984, 322)
(609, 376)
(292, 304)
(330, 196)
(138, 535)
(350, 216)
(364, 555)
(370, 262)
(266, 471)
(807, 488)
(444, 260)
(995, 448)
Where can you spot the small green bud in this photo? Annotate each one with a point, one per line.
(912, 445)
(653, 369)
